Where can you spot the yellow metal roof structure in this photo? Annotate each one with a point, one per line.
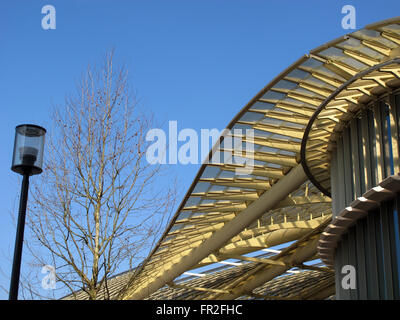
(227, 220)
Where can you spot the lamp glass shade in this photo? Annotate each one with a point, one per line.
(28, 149)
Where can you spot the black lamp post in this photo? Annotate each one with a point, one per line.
(27, 161)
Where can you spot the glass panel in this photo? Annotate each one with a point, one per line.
(210, 172)
(201, 187)
(273, 95)
(176, 227)
(243, 127)
(259, 163)
(259, 105)
(314, 81)
(298, 74)
(284, 84)
(208, 201)
(268, 149)
(274, 165)
(375, 36)
(217, 188)
(226, 157)
(217, 157)
(252, 116)
(307, 92)
(227, 174)
(355, 44)
(261, 134)
(287, 153)
(278, 136)
(273, 121)
(318, 66)
(294, 102)
(393, 28)
(337, 54)
(312, 63)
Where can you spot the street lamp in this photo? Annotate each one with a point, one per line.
(27, 161)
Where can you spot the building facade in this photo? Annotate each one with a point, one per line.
(324, 187)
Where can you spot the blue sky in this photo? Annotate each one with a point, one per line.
(197, 62)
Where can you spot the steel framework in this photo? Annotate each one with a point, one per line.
(222, 241)
(227, 222)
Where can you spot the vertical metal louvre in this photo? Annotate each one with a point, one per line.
(366, 153)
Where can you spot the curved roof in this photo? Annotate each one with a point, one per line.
(304, 285)
(226, 217)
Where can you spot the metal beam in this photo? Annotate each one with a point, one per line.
(267, 201)
(314, 268)
(267, 273)
(253, 259)
(182, 286)
(268, 236)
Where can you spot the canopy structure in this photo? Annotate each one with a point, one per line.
(228, 222)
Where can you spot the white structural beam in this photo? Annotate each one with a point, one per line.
(267, 201)
(304, 252)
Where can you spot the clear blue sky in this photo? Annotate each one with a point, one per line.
(197, 62)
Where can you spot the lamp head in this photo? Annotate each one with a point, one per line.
(28, 149)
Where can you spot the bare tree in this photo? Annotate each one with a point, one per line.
(97, 205)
